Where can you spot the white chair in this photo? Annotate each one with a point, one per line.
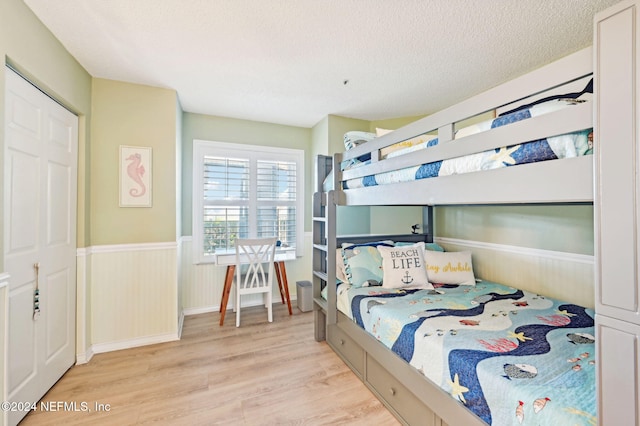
(257, 256)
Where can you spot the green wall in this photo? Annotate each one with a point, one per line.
(179, 181)
(319, 146)
(566, 228)
(338, 126)
(29, 47)
(134, 115)
(221, 129)
(393, 123)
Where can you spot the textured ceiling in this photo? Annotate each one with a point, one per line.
(287, 61)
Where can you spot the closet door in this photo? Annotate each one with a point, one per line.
(40, 188)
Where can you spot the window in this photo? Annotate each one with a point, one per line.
(246, 191)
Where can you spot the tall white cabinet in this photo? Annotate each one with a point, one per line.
(617, 212)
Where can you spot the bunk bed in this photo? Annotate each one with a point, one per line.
(353, 178)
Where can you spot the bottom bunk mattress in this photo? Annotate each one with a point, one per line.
(512, 357)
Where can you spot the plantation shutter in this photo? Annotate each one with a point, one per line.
(276, 200)
(226, 202)
(242, 191)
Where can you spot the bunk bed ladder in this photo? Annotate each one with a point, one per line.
(324, 249)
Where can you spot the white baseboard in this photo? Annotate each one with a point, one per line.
(180, 324)
(84, 357)
(134, 343)
(200, 310)
(208, 309)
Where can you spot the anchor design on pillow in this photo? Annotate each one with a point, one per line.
(407, 279)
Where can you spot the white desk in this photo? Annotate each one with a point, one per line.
(229, 258)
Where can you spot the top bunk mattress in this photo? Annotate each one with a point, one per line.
(567, 145)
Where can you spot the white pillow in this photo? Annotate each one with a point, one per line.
(452, 267)
(403, 267)
(354, 138)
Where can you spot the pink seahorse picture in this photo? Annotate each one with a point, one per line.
(135, 176)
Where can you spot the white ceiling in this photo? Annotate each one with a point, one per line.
(287, 61)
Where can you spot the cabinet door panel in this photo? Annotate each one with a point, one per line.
(616, 134)
(619, 371)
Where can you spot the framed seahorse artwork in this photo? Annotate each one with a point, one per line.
(135, 176)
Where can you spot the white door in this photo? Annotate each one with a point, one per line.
(40, 183)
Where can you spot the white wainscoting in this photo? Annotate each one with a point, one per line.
(564, 276)
(84, 351)
(202, 283)
(137, 294)
(128, 296)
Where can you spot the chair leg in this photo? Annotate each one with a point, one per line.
(269, 306)
(237, 308)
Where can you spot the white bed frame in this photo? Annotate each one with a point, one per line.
(407, 393)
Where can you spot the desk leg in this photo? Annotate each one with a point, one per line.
(281, 275)
(226, 291)
(276, 268)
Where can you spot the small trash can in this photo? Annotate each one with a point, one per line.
(305, 296)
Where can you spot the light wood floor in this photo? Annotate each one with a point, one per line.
(258, 374)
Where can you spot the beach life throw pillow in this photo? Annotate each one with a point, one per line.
(403, 267)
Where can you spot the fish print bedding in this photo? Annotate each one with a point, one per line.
(510, 356)
(563, 146)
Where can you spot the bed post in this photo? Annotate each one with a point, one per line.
(427, 222)
(332, 243)
(332, 296)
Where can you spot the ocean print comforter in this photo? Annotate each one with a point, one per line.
(562, 146)
(510, 356)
